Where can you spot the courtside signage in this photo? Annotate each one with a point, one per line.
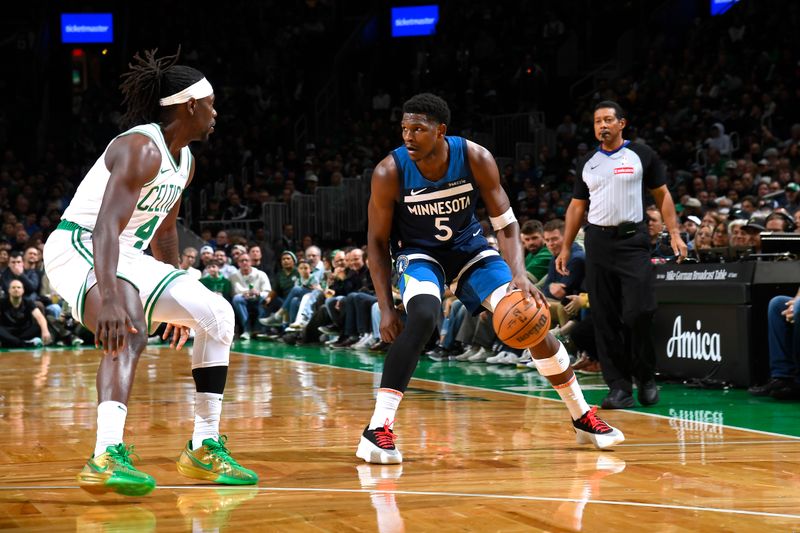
(414, 20)
(704, 342)
(87, 28)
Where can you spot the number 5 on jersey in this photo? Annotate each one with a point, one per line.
(145, 231)
(441, 225)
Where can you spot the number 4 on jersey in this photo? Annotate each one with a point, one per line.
(145, 231)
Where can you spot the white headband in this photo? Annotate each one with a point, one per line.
(197, 90)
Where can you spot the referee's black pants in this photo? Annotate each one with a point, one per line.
(620, 279)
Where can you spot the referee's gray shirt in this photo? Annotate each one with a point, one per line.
(614, 182)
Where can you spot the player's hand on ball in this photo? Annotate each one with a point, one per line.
(180, 334)
(529, 290)
(391, 325)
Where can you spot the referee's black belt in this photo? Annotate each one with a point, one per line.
(615, 230)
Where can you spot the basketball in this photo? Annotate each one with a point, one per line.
(520, 323)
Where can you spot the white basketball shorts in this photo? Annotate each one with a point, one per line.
(69, 264)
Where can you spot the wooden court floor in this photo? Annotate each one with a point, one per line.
(475, 460)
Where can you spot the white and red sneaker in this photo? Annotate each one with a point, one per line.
(377, 446)
(590, 428)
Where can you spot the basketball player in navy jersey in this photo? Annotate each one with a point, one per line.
(422, 212)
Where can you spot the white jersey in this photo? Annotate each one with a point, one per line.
(156, 198)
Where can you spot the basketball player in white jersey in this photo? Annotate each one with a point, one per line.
(129, 200)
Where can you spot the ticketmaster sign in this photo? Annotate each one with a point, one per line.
(414, 20)
(87, 28)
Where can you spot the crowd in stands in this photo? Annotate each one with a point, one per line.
(31, 314)
(310, 293)
(723, 92)
(719, 105)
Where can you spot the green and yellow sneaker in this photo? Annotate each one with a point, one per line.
(113, 471)
(213, 462)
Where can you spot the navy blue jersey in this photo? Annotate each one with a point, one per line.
(437, 218)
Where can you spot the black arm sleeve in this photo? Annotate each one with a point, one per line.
(580, 191)
(654, 173)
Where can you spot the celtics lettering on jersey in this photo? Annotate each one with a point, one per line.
(161, 200)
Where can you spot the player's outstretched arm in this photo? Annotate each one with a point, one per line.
(487, 176)
(132, 160)
(385, 188)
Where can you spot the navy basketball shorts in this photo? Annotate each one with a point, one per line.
(472, 285)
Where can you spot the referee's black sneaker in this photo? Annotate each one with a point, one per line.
(648, 392)
(771, 385)
(789, 392)
(618, 399)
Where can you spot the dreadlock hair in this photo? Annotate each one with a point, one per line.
(149, 79)
(430, 105)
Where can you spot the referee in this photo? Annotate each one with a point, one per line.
(619, 274)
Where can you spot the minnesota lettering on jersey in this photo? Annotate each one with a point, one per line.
(160, 199)
(440, 208)
(434, 203)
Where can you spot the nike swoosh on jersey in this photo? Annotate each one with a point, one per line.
(414, 193)
(594, 167)
(164, 170)
(476, 233)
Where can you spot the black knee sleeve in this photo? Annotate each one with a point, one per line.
(210, 379)
(423, 314)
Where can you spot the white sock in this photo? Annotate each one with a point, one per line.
(110, 425)
(572, 395)
(386, 404)
(207, 411)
